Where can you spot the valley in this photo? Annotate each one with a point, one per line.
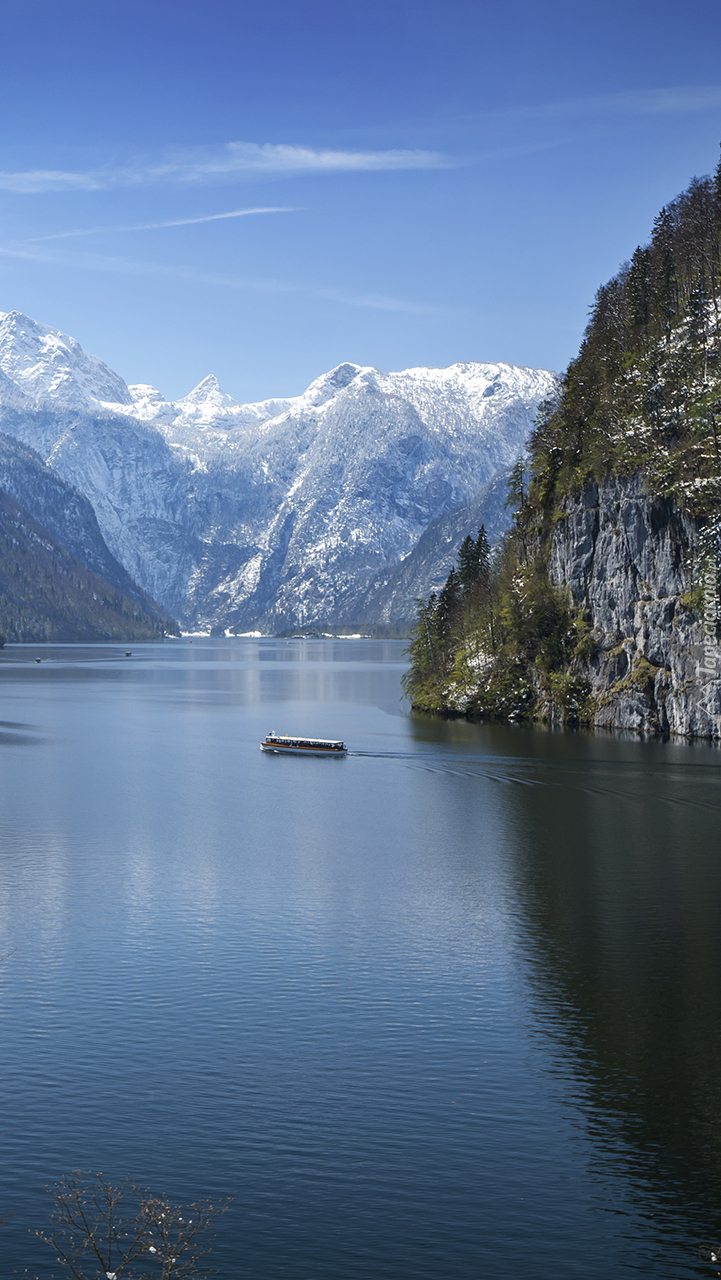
(285, 513)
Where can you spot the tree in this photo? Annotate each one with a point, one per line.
(474, 562)
(467, 563)
(100, 1231)
(424, 643)
(484, 589)
(516, 499)
(447, 607)
(483, 557)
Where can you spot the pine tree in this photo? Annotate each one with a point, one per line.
(467, 564)
(422, 649)
(516, 498)
(447, 608)
(483, 557)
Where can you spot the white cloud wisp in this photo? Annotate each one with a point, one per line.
(234, 160)
(158, 226)
(677, 100)
(126, 266)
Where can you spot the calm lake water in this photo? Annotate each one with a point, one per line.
(448, 1008)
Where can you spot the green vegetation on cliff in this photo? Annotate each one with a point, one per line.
(643, 397)
(491, 645)
(644, 392)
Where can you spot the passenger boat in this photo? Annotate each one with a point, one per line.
(283, 745)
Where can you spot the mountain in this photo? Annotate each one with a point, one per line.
(68, 517)
(393, 598)
(45, 594)
(604, 603)
(273, 514)
(42, 365)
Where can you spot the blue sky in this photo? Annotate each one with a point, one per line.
(404, 183)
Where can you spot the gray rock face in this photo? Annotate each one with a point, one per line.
(392, 597)
(60, 509)
(630, 561)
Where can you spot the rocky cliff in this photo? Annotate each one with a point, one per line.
(641, 572)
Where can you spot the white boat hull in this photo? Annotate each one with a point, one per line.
(277, 748)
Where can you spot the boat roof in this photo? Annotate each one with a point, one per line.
(313, 742)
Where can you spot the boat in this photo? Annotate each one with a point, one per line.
(282, 744)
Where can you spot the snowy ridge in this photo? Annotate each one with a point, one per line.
(275, 513)
(44, 366)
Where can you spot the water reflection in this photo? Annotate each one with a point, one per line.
(431, 1010)
(14, 733)
(617, 880)
(248, 672)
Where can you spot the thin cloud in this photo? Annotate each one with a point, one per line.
(238, 159)
(678, 100)
(158, 226)
(126, 266)
(235, 159)
(683, 100)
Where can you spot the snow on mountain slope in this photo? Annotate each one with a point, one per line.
(355, 479)
(391, 596)
(205, 406)
(69, 517)
(280, 512)
(45, 366)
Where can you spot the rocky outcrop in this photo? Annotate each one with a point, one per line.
(646, 577)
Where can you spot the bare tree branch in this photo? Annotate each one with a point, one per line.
(99, 1230)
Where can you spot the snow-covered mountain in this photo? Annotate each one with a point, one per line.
(276, 513)
(68, 517)
(44, 366)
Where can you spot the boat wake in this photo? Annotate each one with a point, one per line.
(601, 778)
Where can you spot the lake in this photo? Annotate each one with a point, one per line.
(448, 1008)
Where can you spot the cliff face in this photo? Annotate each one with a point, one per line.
(630, 561)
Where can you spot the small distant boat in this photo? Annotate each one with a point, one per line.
(281, 744)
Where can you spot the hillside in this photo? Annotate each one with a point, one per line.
(602, 606)
(392, 598)
(45, 594)
(69, 517)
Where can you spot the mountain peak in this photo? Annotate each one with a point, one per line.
(329, 384)
(283, 510)
(209, 392)
(44, 364)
